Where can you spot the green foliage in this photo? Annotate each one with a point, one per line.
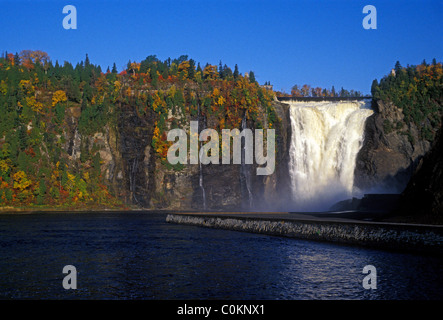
(418, 91)
(42, 104)
(41, 192)
(387, 126)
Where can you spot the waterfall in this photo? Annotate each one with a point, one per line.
(326, 137)
(132, 173)
(245, 174)
(200, 182)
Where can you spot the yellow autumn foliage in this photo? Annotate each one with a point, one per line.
(21, 181)
(58, 96)
(34, 104)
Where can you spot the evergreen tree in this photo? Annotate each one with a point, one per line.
(252, 77)
(17, 59)
(96, 164)
(191, 69)
(374, 88)
(41, 191)
(154, 76)
(114, 68)
(181, 59)
(227, 72)
(87, 92)
(397, 67)
(236, 73)
(22, 137)
(23, 162)
(324, 92)
(220, 70)
(87, 63)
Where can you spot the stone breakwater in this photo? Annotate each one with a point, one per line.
(416, 238)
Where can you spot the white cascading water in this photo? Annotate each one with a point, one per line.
(326, 137)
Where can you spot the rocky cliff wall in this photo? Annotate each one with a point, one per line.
(136, 174)
(388, 156)
(423, 196)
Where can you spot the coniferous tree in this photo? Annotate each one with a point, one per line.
(191, 69)
(374, 88)
(236, 73)
(220, 70)
(252, 77)
(397, 67)
(227, 72)
(17, 59)
(87, 62)
(114, 68)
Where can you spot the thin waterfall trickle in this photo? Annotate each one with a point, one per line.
(201, 183)
(201, 126)
(326, 137)
(132, 172)
(245, 173)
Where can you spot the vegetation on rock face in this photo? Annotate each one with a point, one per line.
(418, 92)
(38, 99)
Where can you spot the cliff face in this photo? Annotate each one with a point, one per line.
(388, 157)
(423, 196)
(135, 174)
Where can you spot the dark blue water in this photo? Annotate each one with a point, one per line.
(140, 256)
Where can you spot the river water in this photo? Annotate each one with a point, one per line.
(137, 255)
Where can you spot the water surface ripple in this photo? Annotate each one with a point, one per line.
(138, 255)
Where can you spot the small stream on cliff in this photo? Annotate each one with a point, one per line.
(245, 172)
(137, 255)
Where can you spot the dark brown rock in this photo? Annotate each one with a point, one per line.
(423, 196)
(387, 160)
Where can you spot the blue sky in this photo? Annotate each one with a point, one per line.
(321, 43)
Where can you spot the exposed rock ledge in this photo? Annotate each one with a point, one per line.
(416, 238)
